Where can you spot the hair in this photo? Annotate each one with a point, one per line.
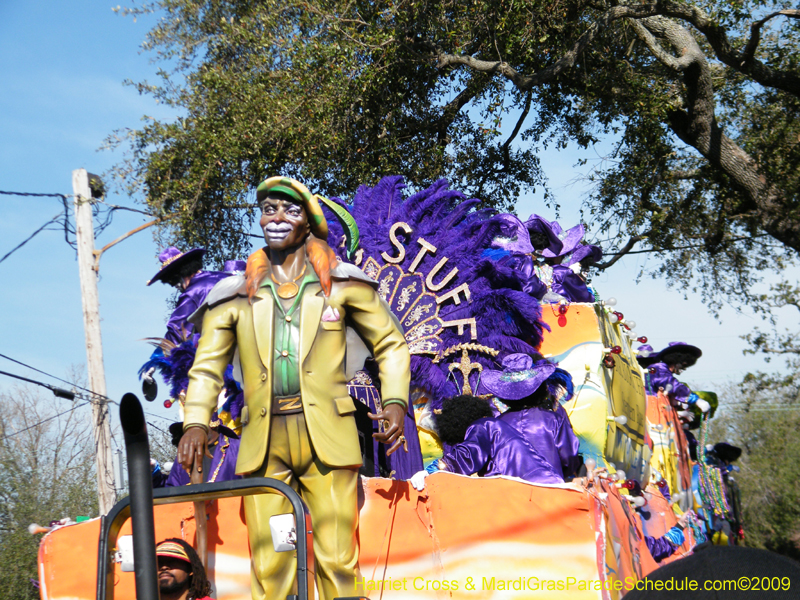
(679, 358)
(185, 270)
(457, 415)
(539, 240)
(199, 586)
(542, 397)
(322, 258)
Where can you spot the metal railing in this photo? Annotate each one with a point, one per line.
(111, 524)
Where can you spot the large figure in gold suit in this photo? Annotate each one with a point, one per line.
(288, 316)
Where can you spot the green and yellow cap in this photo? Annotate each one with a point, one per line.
(301, 194)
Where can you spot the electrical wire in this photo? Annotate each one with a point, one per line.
(101, 396)
(66, 394)
(5, 437)
(7, 193)
(31, 236)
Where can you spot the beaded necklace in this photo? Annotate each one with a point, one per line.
(711, 486)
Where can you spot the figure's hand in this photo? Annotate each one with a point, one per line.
(147, 376)
(192, 447)
(417, 480)
(393, 417)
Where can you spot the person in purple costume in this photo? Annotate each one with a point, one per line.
(666, 545)
(184, 272)
(531, 391)
(661, 548)
(579, 261)
(664, 365)
(512, 248)
(554, 245)
(482, 444)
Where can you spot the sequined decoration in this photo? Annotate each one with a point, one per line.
(545, 274)
(405, 295)
(383, 287)
(418, 312)
(372, 269)
(411, 302)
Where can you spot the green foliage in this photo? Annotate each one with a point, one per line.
(765, 423)
(704, 168)
(46, 473)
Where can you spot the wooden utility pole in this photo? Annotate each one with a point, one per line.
(84, 234)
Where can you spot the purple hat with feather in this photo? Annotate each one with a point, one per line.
(570, 240)
(513, 234)
(672, 347)
(519, 378)
(172, 259)
(540, 225)
(594, 253)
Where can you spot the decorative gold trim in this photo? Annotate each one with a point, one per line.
(468, 346)
(466, 366)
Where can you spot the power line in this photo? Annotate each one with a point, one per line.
(57, 391)
(31, 236)
(58, 378)
(67, 382)
(61, 393)
(5, 437)
(6, 193)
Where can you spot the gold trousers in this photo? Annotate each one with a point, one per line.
(332, 500)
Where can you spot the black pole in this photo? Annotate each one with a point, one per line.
(141, 497)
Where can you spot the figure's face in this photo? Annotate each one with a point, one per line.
(173, 574)
(284, 223)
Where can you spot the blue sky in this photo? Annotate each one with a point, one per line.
(62, 65)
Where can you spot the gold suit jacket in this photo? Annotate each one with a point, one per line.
(327, 407)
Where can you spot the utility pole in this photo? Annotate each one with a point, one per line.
(84, 228)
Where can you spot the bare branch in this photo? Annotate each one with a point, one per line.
(520, 121)
(623, 251)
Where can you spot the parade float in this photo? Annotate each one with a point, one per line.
(436, 259)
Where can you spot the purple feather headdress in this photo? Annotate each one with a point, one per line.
(444, 237)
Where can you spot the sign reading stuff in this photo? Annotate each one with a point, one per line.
(412, 295)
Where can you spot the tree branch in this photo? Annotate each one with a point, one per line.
(520, 121)
(755, 32)
(452, 108)
(623, 251)
(664, 57)
(744, 62)
(527, 82)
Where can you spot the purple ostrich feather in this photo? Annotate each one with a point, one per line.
(507, 319)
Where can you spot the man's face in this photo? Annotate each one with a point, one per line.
(284, 223)
(677, 369)
(173, 574)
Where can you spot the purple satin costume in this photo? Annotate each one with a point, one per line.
(492, 447)
(522, 264)
(189, 301)
(550, 433)
(660, 548)
(570, 285)
(223, 465)
(662, 377)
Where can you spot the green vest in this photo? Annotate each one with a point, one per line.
(286, 338)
